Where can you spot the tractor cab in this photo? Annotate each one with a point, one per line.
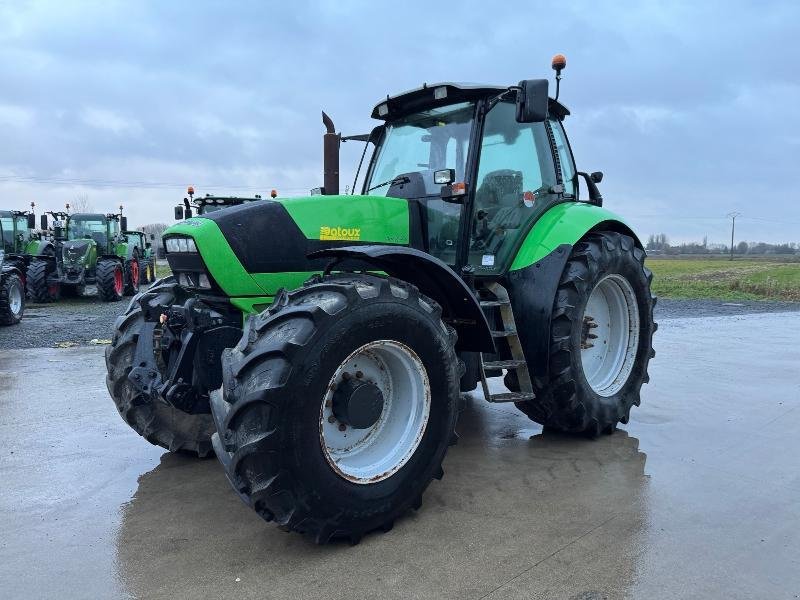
(102, 229)
(478, 170)
(207, 204)
(16, 230)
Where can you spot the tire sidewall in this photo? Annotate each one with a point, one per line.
(624, 264)
(309, 380)
(10, 282)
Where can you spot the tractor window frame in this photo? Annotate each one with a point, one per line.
(557, 129)
(546, 200)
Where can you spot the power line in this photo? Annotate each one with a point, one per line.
(131, 183)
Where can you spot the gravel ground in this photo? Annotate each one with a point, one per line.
(71, 321)
(86, 320)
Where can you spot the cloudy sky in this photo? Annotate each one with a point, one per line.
(690, 109)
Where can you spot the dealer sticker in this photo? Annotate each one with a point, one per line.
(487, 260)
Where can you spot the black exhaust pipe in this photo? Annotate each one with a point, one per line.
(330, 157)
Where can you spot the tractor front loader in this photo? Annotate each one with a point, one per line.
(319, 344)
(90, 250)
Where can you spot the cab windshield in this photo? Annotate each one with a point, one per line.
(415, 146)
(88, 227)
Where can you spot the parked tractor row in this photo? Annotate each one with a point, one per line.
(67, 254)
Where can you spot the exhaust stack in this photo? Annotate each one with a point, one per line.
(330, 157)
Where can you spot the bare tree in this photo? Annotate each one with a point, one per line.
(81, 204)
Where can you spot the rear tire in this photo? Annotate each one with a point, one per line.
(157, 422)
(109, 280)
(144, 271)
(12, 299)
(133, 275)
(277, 445)
(39, 288)
(594, 381)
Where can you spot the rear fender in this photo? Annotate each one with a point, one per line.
(566, 223)
(536, 272)
(460, 307)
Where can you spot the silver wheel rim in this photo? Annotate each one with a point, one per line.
(15, 299)
(376, 453)
(610, 335)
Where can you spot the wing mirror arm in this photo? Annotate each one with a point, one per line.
(595, 197)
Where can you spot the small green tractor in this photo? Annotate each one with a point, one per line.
(18, 242)
(319, 345)
(207, 204)
(90, 249)
(147, 261)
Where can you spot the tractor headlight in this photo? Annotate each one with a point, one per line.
(180, 244)
(187, 264)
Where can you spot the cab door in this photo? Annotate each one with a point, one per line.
(515, 183)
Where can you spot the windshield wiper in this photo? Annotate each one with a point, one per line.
(401, 179)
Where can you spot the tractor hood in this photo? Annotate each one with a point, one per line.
(257, 248)
(75, 252)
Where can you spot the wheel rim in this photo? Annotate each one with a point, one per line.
(377, 452)
(610, 336)
(134, 274)
(15, 299)
(118, 281)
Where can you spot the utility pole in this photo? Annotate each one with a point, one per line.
(733, 216)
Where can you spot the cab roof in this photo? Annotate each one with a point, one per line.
(441, 94)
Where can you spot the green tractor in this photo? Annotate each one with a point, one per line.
(319, 345)
(90, 250)
(17, 242)
(147, 261)
(204, 205)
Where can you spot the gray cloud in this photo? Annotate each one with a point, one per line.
(689, 110)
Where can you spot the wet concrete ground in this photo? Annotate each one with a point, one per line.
(698, 498)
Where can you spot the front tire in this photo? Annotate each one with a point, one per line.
(159, 423)
(12, 299)
(285, 410)
(601, 338)
(109, 280)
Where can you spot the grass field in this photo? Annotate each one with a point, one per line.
(741, 279)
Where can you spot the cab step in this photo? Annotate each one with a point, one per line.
(493, 303)
(517, 361)
(500, 333)
(511, 397)
(503, 364)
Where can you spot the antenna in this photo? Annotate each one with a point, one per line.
(558, 64)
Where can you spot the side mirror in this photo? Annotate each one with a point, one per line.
(31, 221)
(43, 222)
(152, 236)
(532, 101)
(58, 232)
(123, 223)
(597, 176)
(595, 197)
(178, 213)
(187, 213)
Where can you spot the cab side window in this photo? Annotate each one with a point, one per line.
(564, 157)
(515, 174)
